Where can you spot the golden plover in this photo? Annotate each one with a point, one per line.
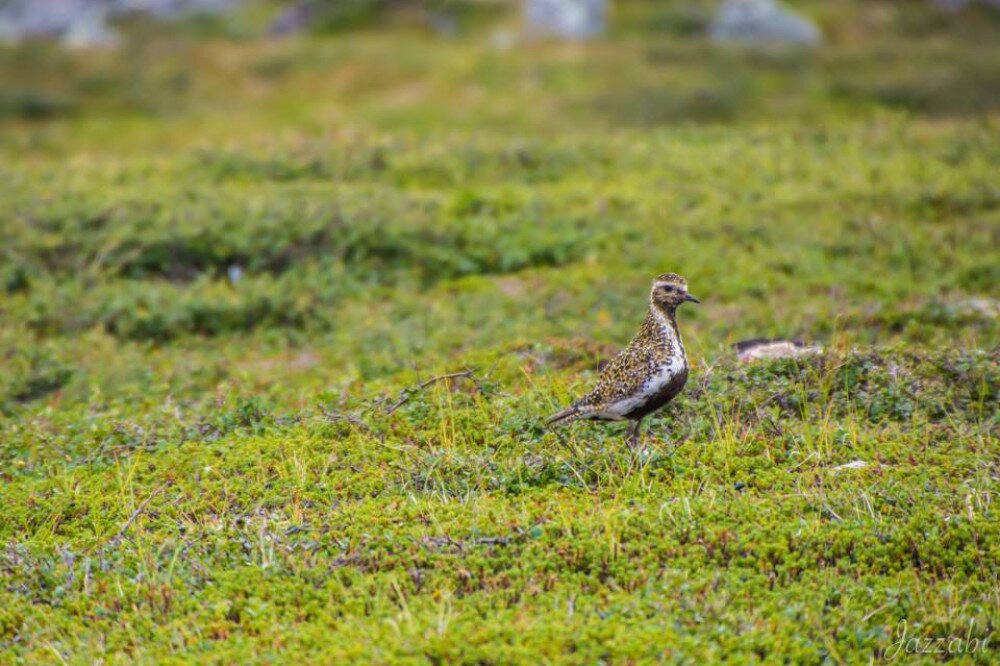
(648, 373)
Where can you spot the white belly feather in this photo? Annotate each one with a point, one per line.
(617, 411)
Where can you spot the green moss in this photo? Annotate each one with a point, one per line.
(223, 284)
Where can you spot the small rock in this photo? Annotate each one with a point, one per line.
(987, 308)
(171, 8)
(760, 348)
(761, 22)
(503, 40)
(22, 18)
(568, 19)
(90, 29)
(293, 19)
(79, 23)
(442, 24)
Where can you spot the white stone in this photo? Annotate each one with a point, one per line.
(79, 23)
(568, 19)
(761, 22)
(757, 350)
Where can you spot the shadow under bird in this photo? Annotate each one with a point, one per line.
(648, 373)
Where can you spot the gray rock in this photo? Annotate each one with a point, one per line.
(854, 464)
(567, 19)
(171, 8)
(760, 349)
(23, 18)
(761, 22)
(85, 22)
(442, 23)
(293, 19)
(89, 29)
(980, 306)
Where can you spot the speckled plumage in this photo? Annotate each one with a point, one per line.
(649, 372)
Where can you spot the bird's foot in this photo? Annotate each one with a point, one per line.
(633, 438)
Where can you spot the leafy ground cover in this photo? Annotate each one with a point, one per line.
(229, 265)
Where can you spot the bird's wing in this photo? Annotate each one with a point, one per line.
(622, 378)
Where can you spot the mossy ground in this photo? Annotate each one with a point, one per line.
(226, 262)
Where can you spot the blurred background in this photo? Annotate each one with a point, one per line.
(347, 188)
(495, 64)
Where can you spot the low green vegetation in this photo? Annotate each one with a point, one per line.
(241, 283)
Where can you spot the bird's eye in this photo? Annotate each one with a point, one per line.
(668, 289)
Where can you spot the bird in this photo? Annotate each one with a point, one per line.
(648, 373)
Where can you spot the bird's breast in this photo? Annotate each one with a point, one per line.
(660, 389)
(667, 374)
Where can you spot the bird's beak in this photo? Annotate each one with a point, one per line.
(689, 297)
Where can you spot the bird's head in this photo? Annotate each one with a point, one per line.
(669, 291)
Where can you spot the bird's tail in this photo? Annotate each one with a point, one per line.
(569, 414)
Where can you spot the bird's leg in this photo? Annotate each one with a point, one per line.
(632, 438)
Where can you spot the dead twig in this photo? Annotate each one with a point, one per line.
(762, 416)
(435, 542)
(409, 392)
(135, 514)
(334, 415)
